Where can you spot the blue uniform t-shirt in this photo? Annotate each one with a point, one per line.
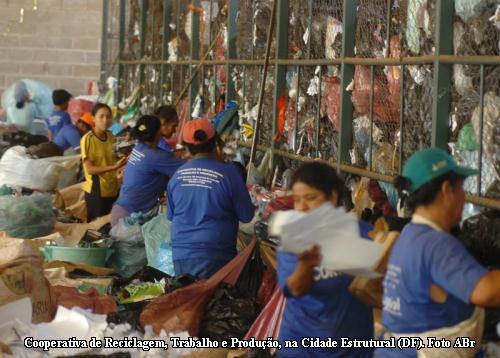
(68, 136)
(421, 257)
(145, 178)
(206, 199)
(328, 310)
(163, 145)
(56, 121)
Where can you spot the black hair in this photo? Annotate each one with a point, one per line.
(427, 193)
(60, 97)
(99, 106)
(84, 123)
(320, 176)
(168, 113)
(206, 147)
(146, 128)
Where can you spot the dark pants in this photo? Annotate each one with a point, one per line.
(98, 206)
(202, 268)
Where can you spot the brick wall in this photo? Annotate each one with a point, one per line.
(59, 44)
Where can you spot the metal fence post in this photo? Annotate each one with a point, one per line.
(231, 47)
(442, 73)
(121, 50)
(167, 17)
(104, 40)
(280, 70)
(142, 43)
(194, 87)
(347, 74)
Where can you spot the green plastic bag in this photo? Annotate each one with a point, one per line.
(141, 291)
(467, 138)
(130, 114)
(27, 217)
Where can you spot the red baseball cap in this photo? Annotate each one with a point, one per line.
(194, 125)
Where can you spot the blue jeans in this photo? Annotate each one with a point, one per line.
(202, 268)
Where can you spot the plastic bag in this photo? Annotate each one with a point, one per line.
(230, 313)
(130, 254)
(77, 106)
(330, 101)
(158, 245)
(268, 323)
(26, 217)
(183, 309)
(17, 169)
(467, 138)
(251, 277)
(70, 297)
(39, 106)
(267, 286)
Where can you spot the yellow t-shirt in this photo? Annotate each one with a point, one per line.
(101, 154)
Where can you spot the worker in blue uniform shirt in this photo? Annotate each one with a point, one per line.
(146, 173)
(59, 117)
(433, 284)
(169, 123)
(318, 303)
(71, 134)
(206, 198)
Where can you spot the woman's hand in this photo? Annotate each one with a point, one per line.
(311, 257)
(301, 280)
(120, 163)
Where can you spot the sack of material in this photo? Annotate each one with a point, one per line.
(18, 169)
(26, 217)
(21, 275)
(183, 309)
(370, 290)
(72, 200)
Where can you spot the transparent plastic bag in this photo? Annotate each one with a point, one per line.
(158, 245)
(39, 106)
(26, 217)
(129, 251)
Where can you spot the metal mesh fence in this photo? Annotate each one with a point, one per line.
(392, 105)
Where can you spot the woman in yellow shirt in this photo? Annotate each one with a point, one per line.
(100, 164)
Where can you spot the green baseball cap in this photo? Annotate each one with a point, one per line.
(428, 164)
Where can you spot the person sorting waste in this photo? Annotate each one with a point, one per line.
(318, 303)
(71, 134)
(60, 116)
(433, 284)
(206, 199)
(169, 122)
(100, 164)
(146, 173)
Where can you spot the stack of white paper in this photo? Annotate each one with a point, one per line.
(337, 234)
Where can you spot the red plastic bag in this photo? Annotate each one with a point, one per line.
(183, 113)
(330, 100)
(70, 297)
(183, 309)
(267, 287)
(279, 203)
(268, 324)
(77, 107)
(384, 109)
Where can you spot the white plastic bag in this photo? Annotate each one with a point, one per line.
(17, 169)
